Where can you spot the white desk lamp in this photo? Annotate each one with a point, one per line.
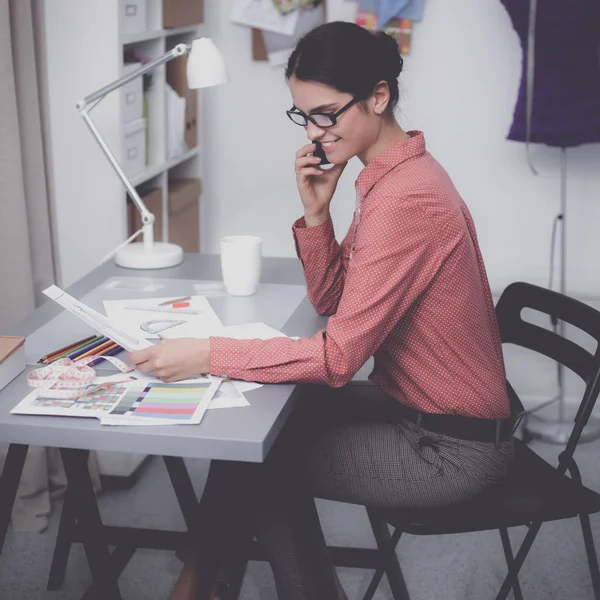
(205, 68)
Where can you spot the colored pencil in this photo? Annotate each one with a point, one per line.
(101, 340)
(68, 348)
(108, 352)
(66, 354)
(96, 350)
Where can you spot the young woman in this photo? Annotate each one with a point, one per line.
(407, 285)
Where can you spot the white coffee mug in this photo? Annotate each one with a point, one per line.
(240, 264)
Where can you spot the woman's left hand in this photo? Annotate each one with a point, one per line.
(172, 360)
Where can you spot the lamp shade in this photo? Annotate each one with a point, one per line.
(205, 66)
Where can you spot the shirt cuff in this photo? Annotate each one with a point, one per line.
(306, 238)
(228, 357)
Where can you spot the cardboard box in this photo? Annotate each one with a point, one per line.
(177, 79)
(184, 213)
(180, 13)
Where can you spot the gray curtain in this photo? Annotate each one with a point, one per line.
(25, 240)
(26, 257)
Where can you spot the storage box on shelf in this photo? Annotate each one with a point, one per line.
(134, 147)
(180, 13)
(133, 16)
(132, 94)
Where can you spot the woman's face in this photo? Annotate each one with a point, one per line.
(354, 133)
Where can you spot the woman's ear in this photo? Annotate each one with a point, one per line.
(380, 97)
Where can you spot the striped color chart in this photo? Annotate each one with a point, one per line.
(163, 401)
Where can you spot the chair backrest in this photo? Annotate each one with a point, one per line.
(514, 330)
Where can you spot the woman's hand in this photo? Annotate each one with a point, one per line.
(316, 186)
(172, 360)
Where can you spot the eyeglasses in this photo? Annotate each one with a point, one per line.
(322, 120)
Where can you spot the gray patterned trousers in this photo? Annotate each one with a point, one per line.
(348, 445)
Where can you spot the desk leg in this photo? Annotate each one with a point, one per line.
(184, 490)
(62, 547)
(88, 517)
(9, 483)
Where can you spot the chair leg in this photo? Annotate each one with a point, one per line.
(510, 580)
(387, 547)
(510, 561)
(380, 571)
(590, 549)
(588, 538)
(62, 547)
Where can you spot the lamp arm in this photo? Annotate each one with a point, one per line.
(147, 216)
(178, 50)
(83, 108)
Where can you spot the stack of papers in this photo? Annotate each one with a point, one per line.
(136, 398)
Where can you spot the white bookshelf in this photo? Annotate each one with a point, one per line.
(85, 50)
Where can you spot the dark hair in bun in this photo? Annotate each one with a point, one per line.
(348, 58)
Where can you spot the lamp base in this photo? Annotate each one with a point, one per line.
(160, 256)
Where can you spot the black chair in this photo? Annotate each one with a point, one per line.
(535, 491)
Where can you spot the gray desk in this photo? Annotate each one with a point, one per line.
(232, 434)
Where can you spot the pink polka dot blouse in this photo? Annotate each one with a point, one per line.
(407, 286)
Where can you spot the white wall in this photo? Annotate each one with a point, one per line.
(459, 87)
(88, 217)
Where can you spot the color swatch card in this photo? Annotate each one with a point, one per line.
(122, 399)
(103, 395)
(151, 403)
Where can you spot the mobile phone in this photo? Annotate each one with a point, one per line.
(320, 153)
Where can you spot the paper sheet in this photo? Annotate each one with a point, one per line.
(279, 46)
(263, 14)
(228, 395)
(145, 318)
(153, 403)
(96, 320)
(175, 111)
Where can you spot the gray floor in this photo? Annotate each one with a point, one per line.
(452, 567)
